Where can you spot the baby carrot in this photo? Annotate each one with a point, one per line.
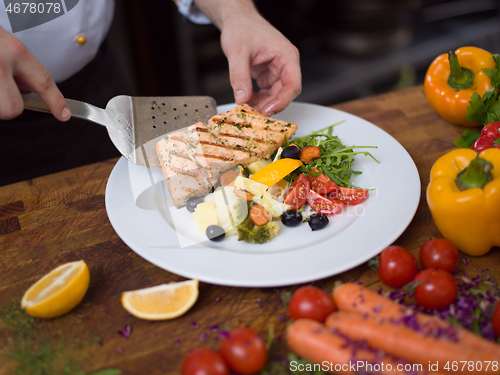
(414, 346)
(357, 298)
(333, 352)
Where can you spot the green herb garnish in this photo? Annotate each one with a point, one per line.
(336, 159)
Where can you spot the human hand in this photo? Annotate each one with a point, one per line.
(255, 49)
(21, 71)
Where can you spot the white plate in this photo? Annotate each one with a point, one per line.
(139, 213)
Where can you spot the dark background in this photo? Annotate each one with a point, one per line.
(349, 49)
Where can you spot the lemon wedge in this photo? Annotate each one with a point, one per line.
(161, 302)
(58, 292)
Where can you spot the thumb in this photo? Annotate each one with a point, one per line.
(241, 79)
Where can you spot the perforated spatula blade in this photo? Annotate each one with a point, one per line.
(135, 124)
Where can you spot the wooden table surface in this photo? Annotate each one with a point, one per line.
(59, 218)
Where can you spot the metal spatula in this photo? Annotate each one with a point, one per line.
(135, 124)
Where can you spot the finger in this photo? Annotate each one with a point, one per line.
(240, 77)
(11, 101)
(284, 91)
(30, 73)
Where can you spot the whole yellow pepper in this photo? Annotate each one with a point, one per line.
(452, 78)
(464, 198)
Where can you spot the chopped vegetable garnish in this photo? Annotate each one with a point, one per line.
(335, 160)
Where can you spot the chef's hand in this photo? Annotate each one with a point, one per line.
(21, 71)
(255, 49)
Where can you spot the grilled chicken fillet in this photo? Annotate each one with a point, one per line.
(194, 158)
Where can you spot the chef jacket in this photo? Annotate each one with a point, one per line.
(65, 35)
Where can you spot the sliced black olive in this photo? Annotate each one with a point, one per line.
(193, 202)
(318, 221)
(291, 218)
(290, 152)
(215, 233)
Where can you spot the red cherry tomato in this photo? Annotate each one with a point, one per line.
(244, 350)
(349, 196)
(312, 303)
(204, 361)
(322, 204)
(439, 253)
(397, 266)
(322, 183)
(437, 289)
(297, 196)
(495, 320)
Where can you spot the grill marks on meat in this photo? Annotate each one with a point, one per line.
(193, 159)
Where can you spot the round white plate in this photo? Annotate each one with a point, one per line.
(139, 209)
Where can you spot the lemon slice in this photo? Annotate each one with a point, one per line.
(161, 302)
(57, 292)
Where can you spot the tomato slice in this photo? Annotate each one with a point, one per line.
(322, 183)
(297, 196)
(348, 195)
(322, 204)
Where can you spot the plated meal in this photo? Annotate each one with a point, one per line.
(242, 172)
(142, 212)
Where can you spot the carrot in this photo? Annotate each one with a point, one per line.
(227, 178)
(357, 298)
(259, 215)
(415, 346)
(330, 351)
(243, 194)
(309, 153)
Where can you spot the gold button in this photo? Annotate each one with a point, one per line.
(81, 39)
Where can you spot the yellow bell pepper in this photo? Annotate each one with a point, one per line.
(275, 171)
(464, 199)
(452, 78)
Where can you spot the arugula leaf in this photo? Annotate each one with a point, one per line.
(336, 159)
(467, 139)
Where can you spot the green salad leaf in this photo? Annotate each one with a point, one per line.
(336, 159)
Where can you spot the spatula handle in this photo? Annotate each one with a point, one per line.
(82, 110)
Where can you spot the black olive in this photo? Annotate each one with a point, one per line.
(318, 221)
(193, 202)
(291, 218)
(215, 233)
(290, 152)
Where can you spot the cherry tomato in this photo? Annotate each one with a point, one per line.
(397, 266)
(495, 320)
(439, 253)
(323, 205)
(437, 289)
(297, 196)
(204, 361)
(322, 183)
(244, 350)
(312, 303)
(349, 196)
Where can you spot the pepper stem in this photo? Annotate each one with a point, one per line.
(477, 174)
(460, 78)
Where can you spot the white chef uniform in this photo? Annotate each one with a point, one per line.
(68, 37)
